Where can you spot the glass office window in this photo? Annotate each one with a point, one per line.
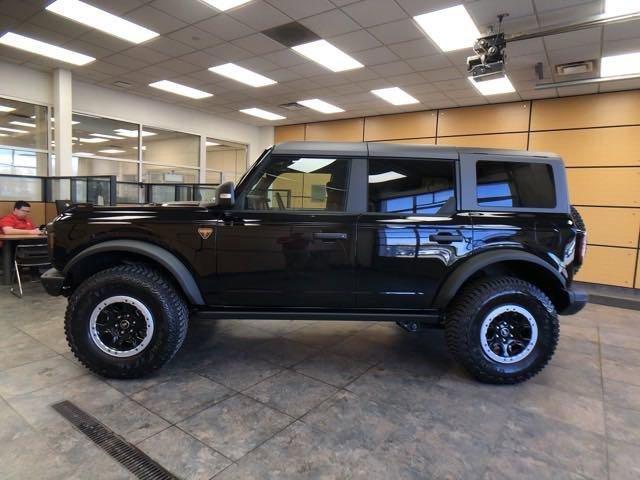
(23, 162)
(170, 157)
(124, 171)
(103, 137)
(23, 125)
(411, 186)
(168, 174)
(226, 161)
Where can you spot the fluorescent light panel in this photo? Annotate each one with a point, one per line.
(12, 130)
(53, 120)
(320, 106)
(493, 87)
(212, 144)
(226, 4)
(133, 133)
(23, 124)
(111, 150)
(93, 140)
(385, 177)
(84, 153)
(310, 165)
(103, 135)
(99, 19)
(242, 75)
(625, 64)
(258, 112)
(328, 56)
(178, 89)
(450, 28)
(45, 49)
(621, 7)
(395, 96)
(6, 109)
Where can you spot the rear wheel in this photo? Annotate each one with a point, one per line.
(502, 330)
(126, 321)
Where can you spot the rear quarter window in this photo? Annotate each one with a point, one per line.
(515, 184)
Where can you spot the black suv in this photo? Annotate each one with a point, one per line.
(480, 242)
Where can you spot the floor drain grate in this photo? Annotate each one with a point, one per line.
(130, 457)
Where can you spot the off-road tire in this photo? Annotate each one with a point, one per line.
(465, 316)
(577, 219)
(147, 285)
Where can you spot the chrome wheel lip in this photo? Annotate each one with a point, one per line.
(138, 305)
(488, 320)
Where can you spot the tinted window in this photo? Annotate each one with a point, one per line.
(515, 184)
(411, 186)
(301, 183)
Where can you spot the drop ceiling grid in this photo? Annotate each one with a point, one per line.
(380, 32)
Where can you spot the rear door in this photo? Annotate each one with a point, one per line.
(290, 241)
(411, 233)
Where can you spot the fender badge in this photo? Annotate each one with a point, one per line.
(205, 232)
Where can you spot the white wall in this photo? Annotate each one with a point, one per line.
(34, 86)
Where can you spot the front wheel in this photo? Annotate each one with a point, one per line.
(502, 330)
(126, 321)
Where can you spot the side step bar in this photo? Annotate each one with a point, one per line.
(428, 317)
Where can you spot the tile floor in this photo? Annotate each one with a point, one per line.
(331, 400)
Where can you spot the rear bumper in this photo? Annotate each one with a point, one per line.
(576, 301)
(53, 281)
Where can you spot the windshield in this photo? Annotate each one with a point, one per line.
(252, 167)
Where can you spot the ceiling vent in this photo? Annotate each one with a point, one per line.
(292, 107)
(576, 68)
(291, 34)
(122, 84)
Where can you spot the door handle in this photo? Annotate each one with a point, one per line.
(330, 236)
(442, 237)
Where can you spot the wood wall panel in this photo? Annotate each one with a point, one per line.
(37, 215)
(500, 118)
(615, 187)
(618, 227)
(288, 133)
(608, 265)
(350, 130)
(50, 212)
(616, 146)
(414, 141)
(401, 125)
(603, 110)
(516, 141)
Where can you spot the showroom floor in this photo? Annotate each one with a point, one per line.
(281, 399)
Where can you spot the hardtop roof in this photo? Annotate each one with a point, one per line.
(381, 149)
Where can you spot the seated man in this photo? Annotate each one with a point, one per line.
(17, 223)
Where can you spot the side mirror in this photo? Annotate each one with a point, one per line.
(225, 195)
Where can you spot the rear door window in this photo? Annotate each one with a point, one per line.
(515, 185)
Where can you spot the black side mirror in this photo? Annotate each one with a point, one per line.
(225, 195)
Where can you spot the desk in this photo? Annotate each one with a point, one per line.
(9, 242)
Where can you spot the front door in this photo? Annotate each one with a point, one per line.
(290, 240)
(411, 233)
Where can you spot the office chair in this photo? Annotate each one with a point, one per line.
(32, 255)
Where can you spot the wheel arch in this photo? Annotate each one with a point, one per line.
(112, 252)
(516, 263)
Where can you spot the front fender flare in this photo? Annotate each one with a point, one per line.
(163, 257)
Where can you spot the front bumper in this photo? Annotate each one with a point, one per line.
(53, 281)
(576, 301)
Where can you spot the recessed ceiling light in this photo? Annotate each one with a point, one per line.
(178, 89)
(111, 150)
(385, 177)
(45, 49)
(620, 7)
(451, 28)
(4, 134)
(99, 19)
(23, 124)
(93, 140)
(320, 106)
(395, 95)
(495, 86)
(6, 109)
(243, 75)
(258, 112)
(328, 56)
(226, 4)
(53, 120)
(12, 130)
(103, 135)
(86, 154)
(133, 133)
(212, 144)
(625, 64)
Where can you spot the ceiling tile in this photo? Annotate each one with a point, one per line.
(441, 74)
(569, 14)
(225, 27)
(329, 24)
(376, 56)
(103, 40)
(285, 58)
(453, 84)
(533, 94)
(398, 31)
(117, 7)
(430, 62)
(394, 68)
(584, 52)
(229, 52)
(40, 33)
(308, 69)
(283, 75)
(59, 24)
(297, 9)
(107, 68)
(621, 46)
(374, 12)
(146, 54)
(414, 48)
(620, 85)
(188, 12)
(485, 12)
(169, 47)
(88, 48)
(18, 9)
(470, 101)
(573, 39)
(259, 64)
(196, 38)
(125, 61)
(178, 66)
(417, 7)
(259, 15)
(408, 79)
(258, 44)
(154, 19)
(355, 41)
(622, 31)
